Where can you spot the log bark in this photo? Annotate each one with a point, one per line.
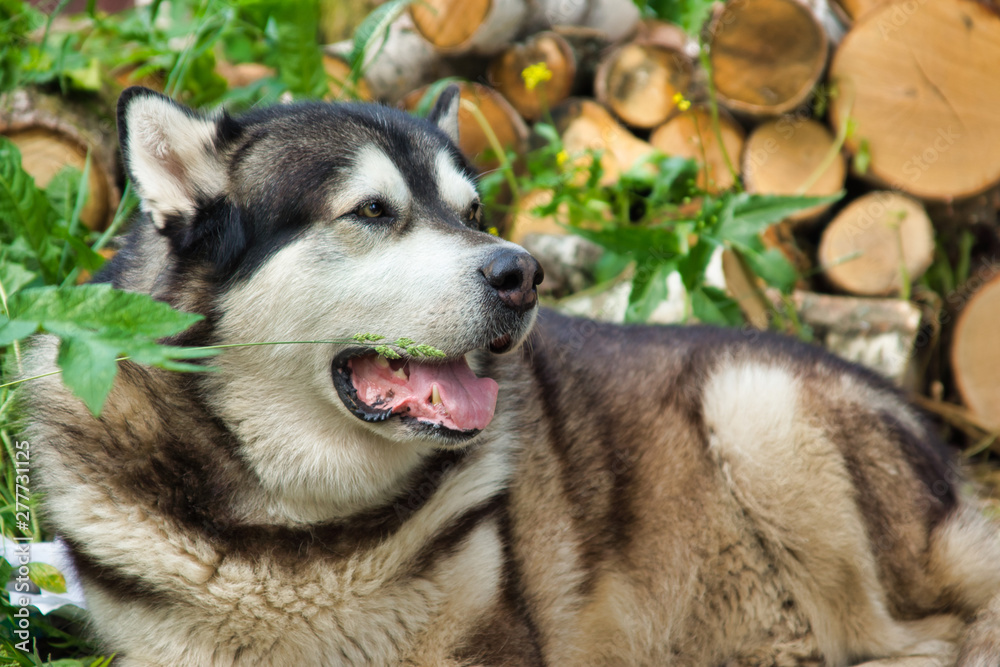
(586, 125)
(877, 333)
(639, 82)
(615, 18)
(469, 26)
(53, 132)
(690, 134)
(501, 117)
(766, 55)
(921, 84)
(505, 73)
(975, 352)
(868, 245)
(403, 62)
(793, 155)
(547, 14)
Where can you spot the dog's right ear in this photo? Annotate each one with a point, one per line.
(445, 112)
(172, 154)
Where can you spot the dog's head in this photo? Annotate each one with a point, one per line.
(316, 222)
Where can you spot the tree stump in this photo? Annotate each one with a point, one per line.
(975, 352)
(53, 132)
(586, 125)
(640, 82)
(690, 134)
(545, 47)
(922, 85)
(867, 247)
(792, 156)
(766, 55)
(469, 26)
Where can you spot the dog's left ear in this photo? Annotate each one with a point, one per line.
(172, 154)
(445, 112)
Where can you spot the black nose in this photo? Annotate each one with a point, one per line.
(514, 275)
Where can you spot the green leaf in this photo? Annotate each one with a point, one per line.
(649, 289)
(96, 324)
(25, 213)
(371, 33)
(744, 216)
(99, 308)
(47, 577)
(12, 330)
(88, 368)
(772, 266)
(712, 306)
(14, 276)
(658, 243)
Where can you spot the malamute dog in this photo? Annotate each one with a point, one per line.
(553, 492)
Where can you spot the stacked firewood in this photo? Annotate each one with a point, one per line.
(894, 102)
(871, 97)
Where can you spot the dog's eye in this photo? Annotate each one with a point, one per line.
(372, 209)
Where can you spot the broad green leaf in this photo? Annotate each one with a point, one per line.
(371, 33)
(745, 215)
(13, 276)
(25, 213)
(88, 368)
(12, 330)
(772, 266)
(99, 307)
(712, 306)
(649, 289)
(47, 577)
(653, 243)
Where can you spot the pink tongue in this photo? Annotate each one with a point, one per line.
(467, 402)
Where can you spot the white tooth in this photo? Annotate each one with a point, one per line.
(381, 361)
(435, 395)
(400, 373)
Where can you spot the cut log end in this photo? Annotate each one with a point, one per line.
(587, 126)
(640, 82)
(766, 55)
(792, 156)
(505, 73)
(975, 354)
(923, 107)
(690, 134)
(867, 248)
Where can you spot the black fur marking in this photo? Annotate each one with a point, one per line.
(122, 587)
(930, 461)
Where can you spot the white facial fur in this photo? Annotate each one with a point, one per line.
(338, 279)
(456, 189)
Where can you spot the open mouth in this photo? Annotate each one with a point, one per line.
(439, 396)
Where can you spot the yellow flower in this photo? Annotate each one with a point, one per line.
(681, 103)
(494, 231)
(561, 158)
(535, 74)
